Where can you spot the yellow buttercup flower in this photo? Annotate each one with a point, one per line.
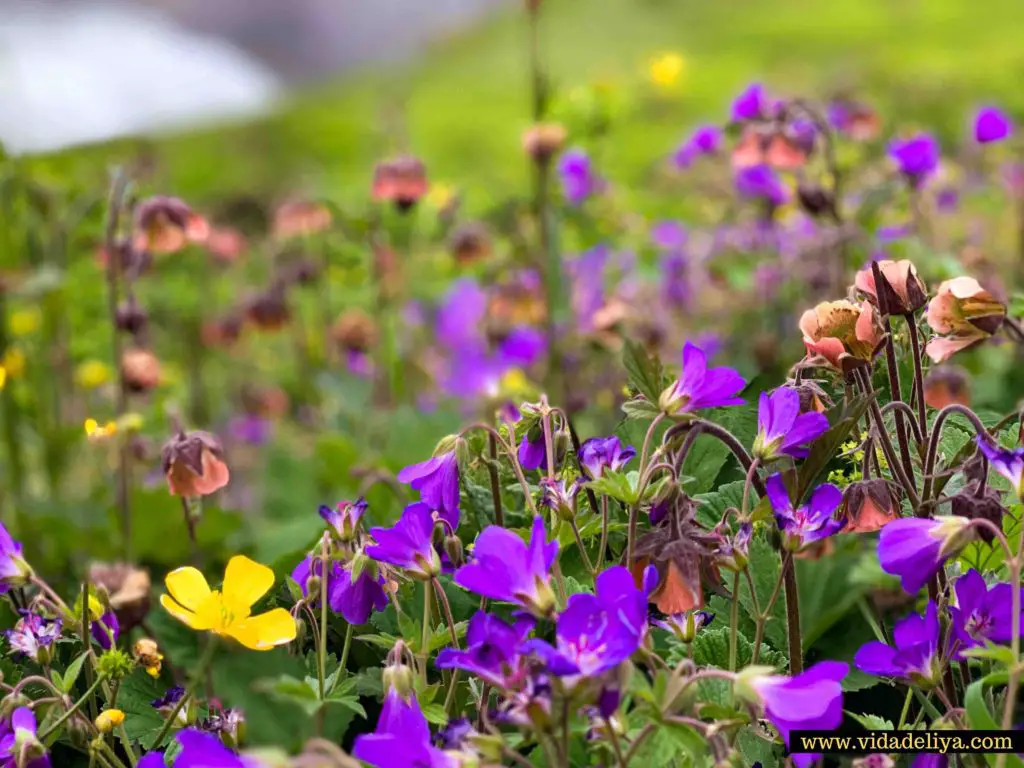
(109, 719)
(97, 432)
(228, 611)
(665, 70)
(23, 322)
(3, 377)
(13, 361)
(92, 374)
(440, 195)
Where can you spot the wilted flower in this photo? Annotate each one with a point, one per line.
(437, 480)
(560, 496)
(982, 613)
(915, 548)
(355, 331)
(576, 172)
(193, 464)
(666, 69)
(544, 140)
(809, 523)
(843, 333)
(225, 244)
(705, 140)
(14, 571)
(127, 591)
(401, 181)
(751, 104)
(991, 124)
(33, 636)
(914, 654)
(599, 454)
(20, 746)
(782, 430)
(343, 518)
(916, 158)
(402, 738)
(903, 292)
(269, 310)
(685, 625)
(492, 650)
(228, 611)
(1008, 462)
(868, 505)
(470, 243)
(166, 225)
(854, 119)
(140, 369)
(784, 148)
(965, 313)
(408, 544)
(701, 387)
(300, 218)
(945, 385)
(504, 567)
(147, 654)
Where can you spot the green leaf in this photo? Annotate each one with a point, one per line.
(765, 565)
(135, 698)
(640, 409)
(669, 743)
(755, 748)
(72, 672)
(435, 714)
(998, 653)
(711, 648)
(981, 719)
(872, 722)
(645, 372)
(617, 485)
(349, 701)
(713, 505)
(380, 641)
(826, 590)
(704, 462)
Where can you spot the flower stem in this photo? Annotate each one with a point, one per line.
(197, 677)
(906, 708)
(343, 662)
(583, 550)
(734, 621)
(796, 653)
(74, 708)
(604, 533)
(492, 471)
(915, 345)
(425, 637)
(634, 510)
(895, 393)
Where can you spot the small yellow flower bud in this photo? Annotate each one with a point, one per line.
(109, 719)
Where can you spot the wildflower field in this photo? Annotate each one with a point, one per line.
(637, 387)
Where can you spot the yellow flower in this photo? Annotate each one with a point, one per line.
(3, 377)
(666, 69)
(24, 322)
(108, 720)
(228, 611)
(13, 361)
(92, 374)
(97, 432)
(440, 195)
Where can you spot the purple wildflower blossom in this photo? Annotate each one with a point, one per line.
(812, 700)
(408, 543)
(617, 592)
(356, 597)
(171, 697)
(701, 387)
(14, 571)
(250, 429)
(34, 634)
(587, 275)
(152, 760)
(532, 453)
(1008, 462)
(492, 650)
(668, 235)
(685, 625)
(437, 480)
(916, 157)
(344, 517)
(599, 454)
(576, 172)
(915, 548)
(203, 750)
(781, 429)
(750, 104)
(991, 124)
(20, 746)
(504, 567)
(914, 654)
(981, 612)
(760, 182)
(811, 522)
(106, 630)
(402, 738)
(706, 140)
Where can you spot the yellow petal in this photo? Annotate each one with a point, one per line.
(183, 615)
(188, 586)
(246, 581)
(263, 632)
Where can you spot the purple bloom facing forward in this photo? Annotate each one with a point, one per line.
(492, 650)
(402, 738)
(812, 700)
(760, 182)
(504, 567)
(21, 741)
(204, 750)
(1008, 462)
(604, 453)
(706, 140)
(750, 104)
(576, 172)
(781, 429)
(616, 590)
(356, 598)
(916, 157)
(981, 612)
(408, 544)
(33, 636)
(914, 654)
(991, 124)
(437, 480)
(804, 525)
(915, 548)
(701, 387)
(344, 517)
(14, 571)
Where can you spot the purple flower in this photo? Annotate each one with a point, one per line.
(1008, 462)
(701, 387)
(760, 182)
(617, 592)
(460, 316)
(599, 454)
(668, 235)
(812, 700)
(981, 612)
(505, 568)
(587, 273)
(14, 571)
(22, 740)
(492, 650)
(203, 750)
(685, 625)
(675, 280)
(781, 429)
(532, 453)
(408, 543)
(250, 429)
(402, 738)
(804, 525)
(171, 697)
(560, 496)
(344, 517)
(914, 654)
(916, 157)
(356, 597)
(706, 140)
(576, 172)
(915, 548)
(437, 480)
(991, 124)
(33, 636)
(521, 347)
(152, 760)
(750, 104)
(106, 630)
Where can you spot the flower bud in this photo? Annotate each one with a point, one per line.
(313, 586)
(108, 720)
(147, 654)
(454, 549)
(399, 677)
(130, 317)
(543, 141)
(115, 664)
(140, 369)
(10, 703)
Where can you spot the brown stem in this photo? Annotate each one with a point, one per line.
(796, 653)
(915, 345)
(895, 393)
(492, 471)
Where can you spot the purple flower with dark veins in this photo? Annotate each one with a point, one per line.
(20, 746)
(599, 454)
(402, 738)
(982, 613)
(408, 544)
(916, 157)
(991, 124)
(492, 650)
(1008, 462)
(701, 387)
(576, 172)
(33, 636)
(106, 630)
(504, 567)
(915, 548)
(914, 654)
(809, 523)
(782, 430)
(437, 480)
(617, 592)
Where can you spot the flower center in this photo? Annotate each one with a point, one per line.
(221, 611)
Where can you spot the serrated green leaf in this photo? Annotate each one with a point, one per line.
(712, 505)
(704, 462)
(644, 370)
(872, 722)
(981, 719)
(757, 749)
